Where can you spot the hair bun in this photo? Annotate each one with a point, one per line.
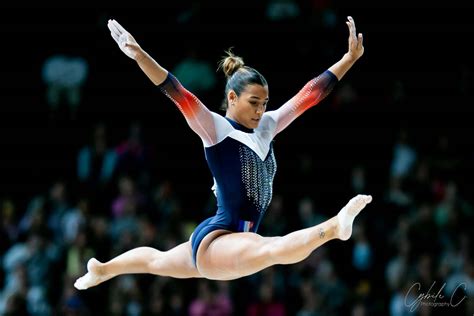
(231, 63)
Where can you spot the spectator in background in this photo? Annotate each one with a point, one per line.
(267, 304)
(396, 194)
(35, 217)
(100, 239)
(358, 180)
(311, 299)
(420, 184)
(404, 157)
(134, 155)
(423, 232)
(27, 265)
(129, 196)
(196, 73)
(13, 301)
(65, 77)
(8, 226)
(362, 253)
(96, 162)
(71, 303)
(57, 205)
(281, 10)
(78, 251)
(165, 203)
(333, 290)
(444, 160)
(125, 227)
(276, 212)
(273, 277)
(359, 310)
(126, 297)
(210, 300)
(308, 216)
(402, 297)
(322, 14)
(397, 266)
(74, 220)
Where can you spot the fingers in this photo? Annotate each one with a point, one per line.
(115, 36)
(113, 28)
(352, 31)
(119, 27)
(360, 41)
(350, 23)
(368, 198)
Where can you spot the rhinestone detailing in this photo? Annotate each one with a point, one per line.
(257, 176)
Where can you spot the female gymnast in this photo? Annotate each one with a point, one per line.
(239, 153)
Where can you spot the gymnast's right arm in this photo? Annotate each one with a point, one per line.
(197, 115)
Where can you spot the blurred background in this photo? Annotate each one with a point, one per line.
(95, 160)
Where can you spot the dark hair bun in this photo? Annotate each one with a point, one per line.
(231, 63)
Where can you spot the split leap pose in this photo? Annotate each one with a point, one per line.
(239, 153)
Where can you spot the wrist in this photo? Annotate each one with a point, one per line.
(349, 58)
(140, 55)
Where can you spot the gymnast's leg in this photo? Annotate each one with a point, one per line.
(176, 262)
(231, 256)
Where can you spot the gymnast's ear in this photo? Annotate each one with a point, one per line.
(231, 97)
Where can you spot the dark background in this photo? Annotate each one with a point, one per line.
(419, 46)
(425, 47)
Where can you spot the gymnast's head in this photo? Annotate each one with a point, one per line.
(246, 91)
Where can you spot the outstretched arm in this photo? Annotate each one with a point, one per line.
(318, 88)
(198, 116)
(356, 50)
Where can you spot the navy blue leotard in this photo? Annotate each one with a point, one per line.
(241, 160)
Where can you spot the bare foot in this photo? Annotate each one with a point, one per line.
(93, 277)
(348, 213)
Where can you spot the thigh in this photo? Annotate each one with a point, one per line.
(176, 262)
(224, 255)
(202, 231)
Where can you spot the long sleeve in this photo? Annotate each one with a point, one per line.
(197, 115)
(310, 95)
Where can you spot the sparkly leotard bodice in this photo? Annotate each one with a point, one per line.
(241, 160)
(243, 177)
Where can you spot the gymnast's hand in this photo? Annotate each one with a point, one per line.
(125, 40)
(356, 48)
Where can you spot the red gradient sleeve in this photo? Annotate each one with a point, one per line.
(197, 115)
(310, 95)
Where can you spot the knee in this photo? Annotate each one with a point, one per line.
(156, 263)
(272, 250)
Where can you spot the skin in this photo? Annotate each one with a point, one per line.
(225, 255)
(248, 108)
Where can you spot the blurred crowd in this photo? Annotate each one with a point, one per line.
(416, 237)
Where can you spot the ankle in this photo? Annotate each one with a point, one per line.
(97, 267)
(337, 228)
(332, 228)
(101, 269)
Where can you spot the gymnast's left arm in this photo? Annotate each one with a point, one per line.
(318, 88)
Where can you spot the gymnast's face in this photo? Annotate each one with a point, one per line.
(248, 108)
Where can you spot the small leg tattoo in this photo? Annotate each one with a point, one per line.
(321, 233)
